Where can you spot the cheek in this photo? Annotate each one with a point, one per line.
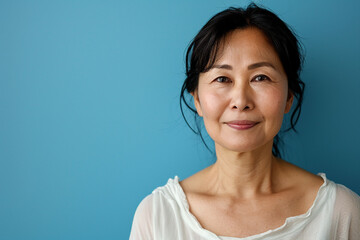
(212, 105)
(274, 103)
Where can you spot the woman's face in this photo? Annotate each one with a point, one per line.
(244, 96)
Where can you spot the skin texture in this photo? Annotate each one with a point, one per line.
(248, 190)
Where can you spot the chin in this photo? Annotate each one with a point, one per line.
(241, 146)
(238, 147)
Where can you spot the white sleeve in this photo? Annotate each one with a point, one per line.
(142, 227)
(346, 218)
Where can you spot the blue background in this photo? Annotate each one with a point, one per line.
(89, 107)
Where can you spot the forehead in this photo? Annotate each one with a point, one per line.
(247, 45)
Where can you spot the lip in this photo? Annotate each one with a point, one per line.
(241, 124)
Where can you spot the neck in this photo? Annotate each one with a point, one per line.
(243, 174)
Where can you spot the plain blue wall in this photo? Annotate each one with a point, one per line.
(89, 115)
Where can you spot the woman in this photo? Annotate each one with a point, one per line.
(243, 74)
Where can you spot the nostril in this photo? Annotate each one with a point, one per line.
(246, 107)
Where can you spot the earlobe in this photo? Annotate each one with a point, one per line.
(197, 102)
(289, 102)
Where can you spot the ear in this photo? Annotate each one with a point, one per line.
(197, 102)
(289, 102)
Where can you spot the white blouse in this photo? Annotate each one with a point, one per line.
(165, 215)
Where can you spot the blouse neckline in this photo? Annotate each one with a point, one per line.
(289, 221)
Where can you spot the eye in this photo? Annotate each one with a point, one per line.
(260, 78)
(222, 79)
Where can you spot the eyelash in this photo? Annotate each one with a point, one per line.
(226, 79)
(263, 76)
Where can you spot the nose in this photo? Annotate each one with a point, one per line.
(242, 97)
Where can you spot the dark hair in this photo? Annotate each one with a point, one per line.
(202, 53)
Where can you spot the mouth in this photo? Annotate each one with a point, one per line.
(241, 125)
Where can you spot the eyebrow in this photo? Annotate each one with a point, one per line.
(261, 64)
(224, 66)
(250, 67)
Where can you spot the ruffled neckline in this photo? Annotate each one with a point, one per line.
(290, 221)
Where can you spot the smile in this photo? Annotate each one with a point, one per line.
(241, 125)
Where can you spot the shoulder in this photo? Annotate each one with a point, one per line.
(155, 210)
(145, 207)
(347, 200)
(346, 193)
(294, 177)
(149, 211)
(142, 226)
(158, 198)
(346, 215)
